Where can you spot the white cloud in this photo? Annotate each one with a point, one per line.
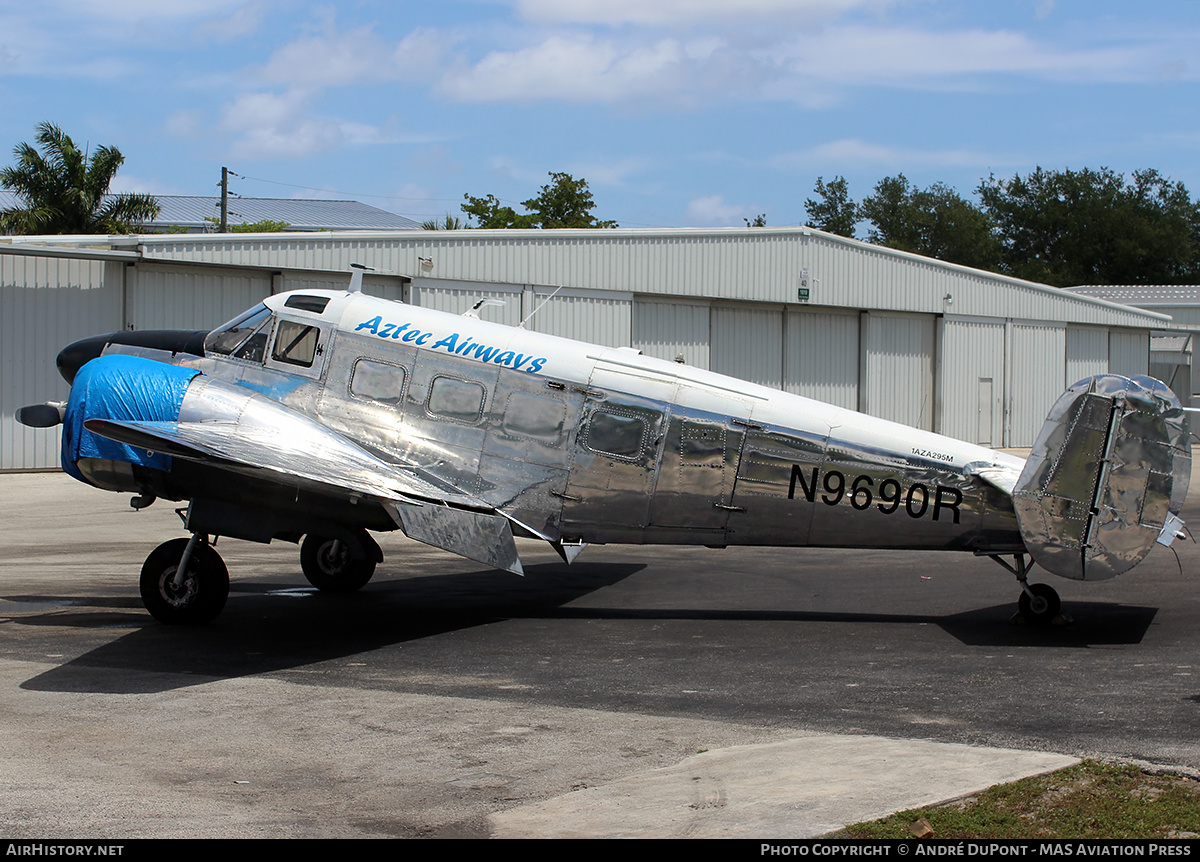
(333, 59)
(575, 68)
(269, 125)
(240, 23)
(714, 211)
(684, 12)
(850, 153)
(901, 56)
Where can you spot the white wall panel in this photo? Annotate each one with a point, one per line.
(585, 315)
(455, 297)
(45, 304)
(821, 355)
(191, 297)
(897, 368)
(747, 343)
(1087, 353)
(1038, 369)
(668, 328)
(1128, 351)
(971, 381)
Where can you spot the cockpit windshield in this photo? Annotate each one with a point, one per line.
(244, 337)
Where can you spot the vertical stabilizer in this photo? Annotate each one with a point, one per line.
(1106, 478)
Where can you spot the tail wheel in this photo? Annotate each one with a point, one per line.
(330, 564)
(198, 598)
(1043, 606)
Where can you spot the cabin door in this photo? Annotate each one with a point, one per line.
(614, 461)
(699, 467)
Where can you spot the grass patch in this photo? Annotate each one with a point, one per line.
(1090, 800)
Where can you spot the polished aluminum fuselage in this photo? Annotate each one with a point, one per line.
(585, 443)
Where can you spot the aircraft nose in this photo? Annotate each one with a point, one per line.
(77, 354)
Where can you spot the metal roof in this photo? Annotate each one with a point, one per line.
(1143, 295)
(191, 212)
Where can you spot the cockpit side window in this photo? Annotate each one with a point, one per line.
(244, 337)
(296, 343)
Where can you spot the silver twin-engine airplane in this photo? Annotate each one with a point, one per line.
(320, 416)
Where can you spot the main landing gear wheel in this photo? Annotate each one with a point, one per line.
(1042, 607)
(201, 595)
(330, 564)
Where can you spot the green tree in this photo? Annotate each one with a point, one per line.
(1091, 227)
(564, 202)
(935, 222)
(264, 226)
(835, 212)
(64, 191)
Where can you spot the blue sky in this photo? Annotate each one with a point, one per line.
(678, 112)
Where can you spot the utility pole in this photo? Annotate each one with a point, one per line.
(224, 200)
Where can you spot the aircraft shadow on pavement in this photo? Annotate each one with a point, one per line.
(269, 627)
(1093, 624)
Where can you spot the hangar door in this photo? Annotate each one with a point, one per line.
(45, 304)
(820, 356)
(971, 398)
(897, 367)
(1087, 353)
(1038, 371)
(159, 296)
(747, 343)
(668, 328)
(1128, 351)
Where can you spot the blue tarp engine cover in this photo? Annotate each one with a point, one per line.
(121, 388)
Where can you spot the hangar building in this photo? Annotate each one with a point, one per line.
(963, 352)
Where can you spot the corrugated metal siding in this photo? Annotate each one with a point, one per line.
(1128, 352)
(585, 315)
(438, 294)
(46, 304)
(1087, 353)
(747, 343)
(166, 297)
(897, 368)
(668, 328)
(736, 264)
(971, 381)
(1038, 365)
(821, 356)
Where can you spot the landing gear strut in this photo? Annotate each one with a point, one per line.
(1039, 603)
(335, 565)
(184, 582)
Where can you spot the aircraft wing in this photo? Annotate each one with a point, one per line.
(306, 454)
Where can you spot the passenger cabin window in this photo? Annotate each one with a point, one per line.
(456, 400)
(296, 343)
(616, 434)
(377, 381)
(244, 337)
(534, 416)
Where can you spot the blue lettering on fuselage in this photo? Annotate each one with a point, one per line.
(453, 343)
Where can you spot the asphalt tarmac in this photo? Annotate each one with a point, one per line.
(641, 691)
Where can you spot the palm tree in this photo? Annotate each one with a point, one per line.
(66, 192)
(449, 223)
